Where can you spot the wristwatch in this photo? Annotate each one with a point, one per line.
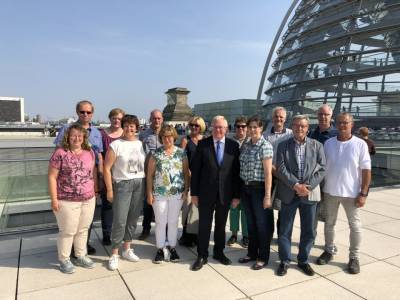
(363, 194)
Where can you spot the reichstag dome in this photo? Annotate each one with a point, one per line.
(346, 54)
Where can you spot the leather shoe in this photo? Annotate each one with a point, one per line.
(259, 265)
(306, 268)
(222, 259)
(282, 269)
(245, 260)
(198, 264)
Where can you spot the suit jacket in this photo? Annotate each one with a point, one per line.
(208, 179)
(287, 169)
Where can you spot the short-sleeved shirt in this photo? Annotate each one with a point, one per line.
(169, 178)
(95, 138)
(75, 178)
(251, 159)
(345, 161)
(150, 140)
(129, 160)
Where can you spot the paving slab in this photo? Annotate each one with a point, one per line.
(385, 197)
(9, 248)
(378, 280)
(317, 289)
(41, 271)
(384, 209)
(394, 260)
(8, 276)
(39, 244)
(374, 244)
(256, 282)
(103, 288)
(391, 228)
(176, 281)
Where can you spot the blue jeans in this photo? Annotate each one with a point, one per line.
(260, 223)
(307, 215)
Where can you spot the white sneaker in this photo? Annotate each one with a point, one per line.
(130, 255)
(113, 262)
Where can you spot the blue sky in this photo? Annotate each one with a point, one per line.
(127, 53)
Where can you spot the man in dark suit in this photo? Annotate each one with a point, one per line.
(300, 167)
(214, 187)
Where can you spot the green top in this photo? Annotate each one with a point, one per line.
(169, 178)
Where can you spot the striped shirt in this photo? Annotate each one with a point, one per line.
(251, 159)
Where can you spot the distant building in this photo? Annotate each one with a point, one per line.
(177, 112)
(229, 109)
(12, 109)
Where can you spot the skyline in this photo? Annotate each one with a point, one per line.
(127, 54)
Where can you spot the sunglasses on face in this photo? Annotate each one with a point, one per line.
(194, 125)
(241, 126)
(83, 112)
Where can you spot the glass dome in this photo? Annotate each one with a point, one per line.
(340, 52)
(346, 54)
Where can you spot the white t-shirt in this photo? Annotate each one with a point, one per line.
(129, 162)
(344, 163)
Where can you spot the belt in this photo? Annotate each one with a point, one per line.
(254, 183)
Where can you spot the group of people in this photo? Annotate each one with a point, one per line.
(207, 178)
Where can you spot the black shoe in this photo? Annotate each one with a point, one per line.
(245, 260)
(222, 259)
(324, 258)
(91, 250)
(198, 264)
(106, 240)
(259, 265)
(282, 269)
(245, 242)
(306, 268)
(144, 235)
(159, 258)
(353, 266)
(232, 240)
(174, 257)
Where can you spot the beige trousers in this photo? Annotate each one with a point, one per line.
(73, 219)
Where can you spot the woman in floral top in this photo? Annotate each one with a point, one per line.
(167, 189)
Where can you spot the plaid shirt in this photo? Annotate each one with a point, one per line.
(251, 159)
(300, 150)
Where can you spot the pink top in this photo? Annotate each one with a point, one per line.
(75, 177)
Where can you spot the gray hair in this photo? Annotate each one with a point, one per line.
(219, 118)
(325, 106)
(300, 117)
(277, 109)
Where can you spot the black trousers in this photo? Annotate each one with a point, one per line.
(106, 215)
(147, 215)
(206, 211)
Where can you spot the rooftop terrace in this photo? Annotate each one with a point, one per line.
(29, 268)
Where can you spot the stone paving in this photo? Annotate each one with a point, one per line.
(29, 269)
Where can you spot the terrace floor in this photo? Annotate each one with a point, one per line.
(29, 268)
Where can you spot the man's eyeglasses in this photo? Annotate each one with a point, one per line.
(241, 126)
(194, 125)
(343, 122)
(83, 112)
